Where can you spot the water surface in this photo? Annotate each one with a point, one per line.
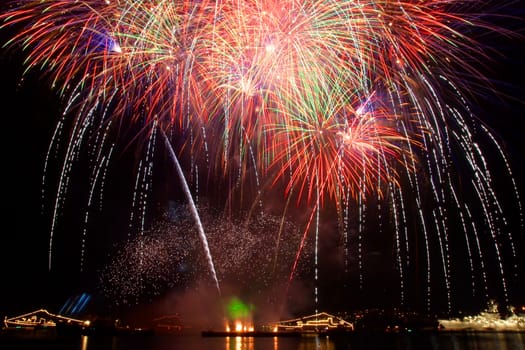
(382, 341)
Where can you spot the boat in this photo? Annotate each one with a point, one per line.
(40, 319)
(321, 323)
(488, 320)
(167, 324)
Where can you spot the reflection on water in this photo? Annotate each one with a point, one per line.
(410, 341)
(84, 341)
(434, 341)
(240, 343)
(318, 343)
(276, 343)
(417, 341)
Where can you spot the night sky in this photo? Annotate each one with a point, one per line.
(30, 111)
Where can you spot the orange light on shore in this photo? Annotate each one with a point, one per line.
(239, 326)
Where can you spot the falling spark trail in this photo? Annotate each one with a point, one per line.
(194, 212)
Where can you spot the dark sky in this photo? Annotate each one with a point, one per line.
(29, 115)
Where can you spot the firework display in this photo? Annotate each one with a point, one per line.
(164, 258)
(360, 106)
